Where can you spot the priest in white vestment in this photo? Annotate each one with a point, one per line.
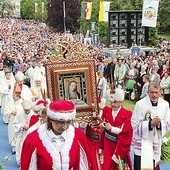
(21, 124)
(13, 107)
(6, 90)
(150, 121)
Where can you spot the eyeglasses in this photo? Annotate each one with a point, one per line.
(63, 123)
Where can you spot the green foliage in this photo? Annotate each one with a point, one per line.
(28, 9)
(5, 160)
(164, 35)
(152, 36)
(102, 28)
(165, 149)
(116, 5)
(164, 16)
(6, 6)
(128, 5)
(138, 4)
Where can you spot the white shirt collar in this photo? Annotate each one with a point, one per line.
(52, 135)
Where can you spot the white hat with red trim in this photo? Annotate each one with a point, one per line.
(61, 110)
(40, 105)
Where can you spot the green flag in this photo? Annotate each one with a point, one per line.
(54, 52)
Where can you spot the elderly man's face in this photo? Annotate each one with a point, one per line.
(116, 105)
(154, 93)
(38, 83)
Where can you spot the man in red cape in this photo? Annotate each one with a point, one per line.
(117, 135)
(56, 144)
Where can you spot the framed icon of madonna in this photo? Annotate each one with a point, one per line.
(75, 81)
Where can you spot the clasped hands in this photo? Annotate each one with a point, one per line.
(156, 121)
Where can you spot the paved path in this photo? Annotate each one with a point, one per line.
(5, 150)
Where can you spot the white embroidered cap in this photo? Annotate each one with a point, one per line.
(38, 77)
(19, 76)
(119, 95)
(27, 105)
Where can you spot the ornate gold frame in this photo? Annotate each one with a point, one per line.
(78, 68)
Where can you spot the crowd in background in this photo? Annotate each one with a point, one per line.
(128, 71)
(25, 47)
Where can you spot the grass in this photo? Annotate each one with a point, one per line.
(164, 35)
(128, 104)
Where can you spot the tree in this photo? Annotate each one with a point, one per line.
(138, 4)
(56, 14)
(128, 5)
(28, 9)
(6, 7)
(164, 16)
(152, 36)
(116, 5)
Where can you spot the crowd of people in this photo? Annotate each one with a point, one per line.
(128, 72)
(43, 133)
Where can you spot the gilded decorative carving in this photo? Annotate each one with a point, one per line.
(71, 50)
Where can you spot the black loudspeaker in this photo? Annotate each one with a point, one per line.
(125, 28)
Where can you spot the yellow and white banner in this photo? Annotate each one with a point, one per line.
(149, 13)
(103, 11)
(42, 5)
(36, 7)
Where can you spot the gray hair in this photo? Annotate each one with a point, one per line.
(154, 85)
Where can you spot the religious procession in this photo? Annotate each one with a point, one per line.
(67, 104)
